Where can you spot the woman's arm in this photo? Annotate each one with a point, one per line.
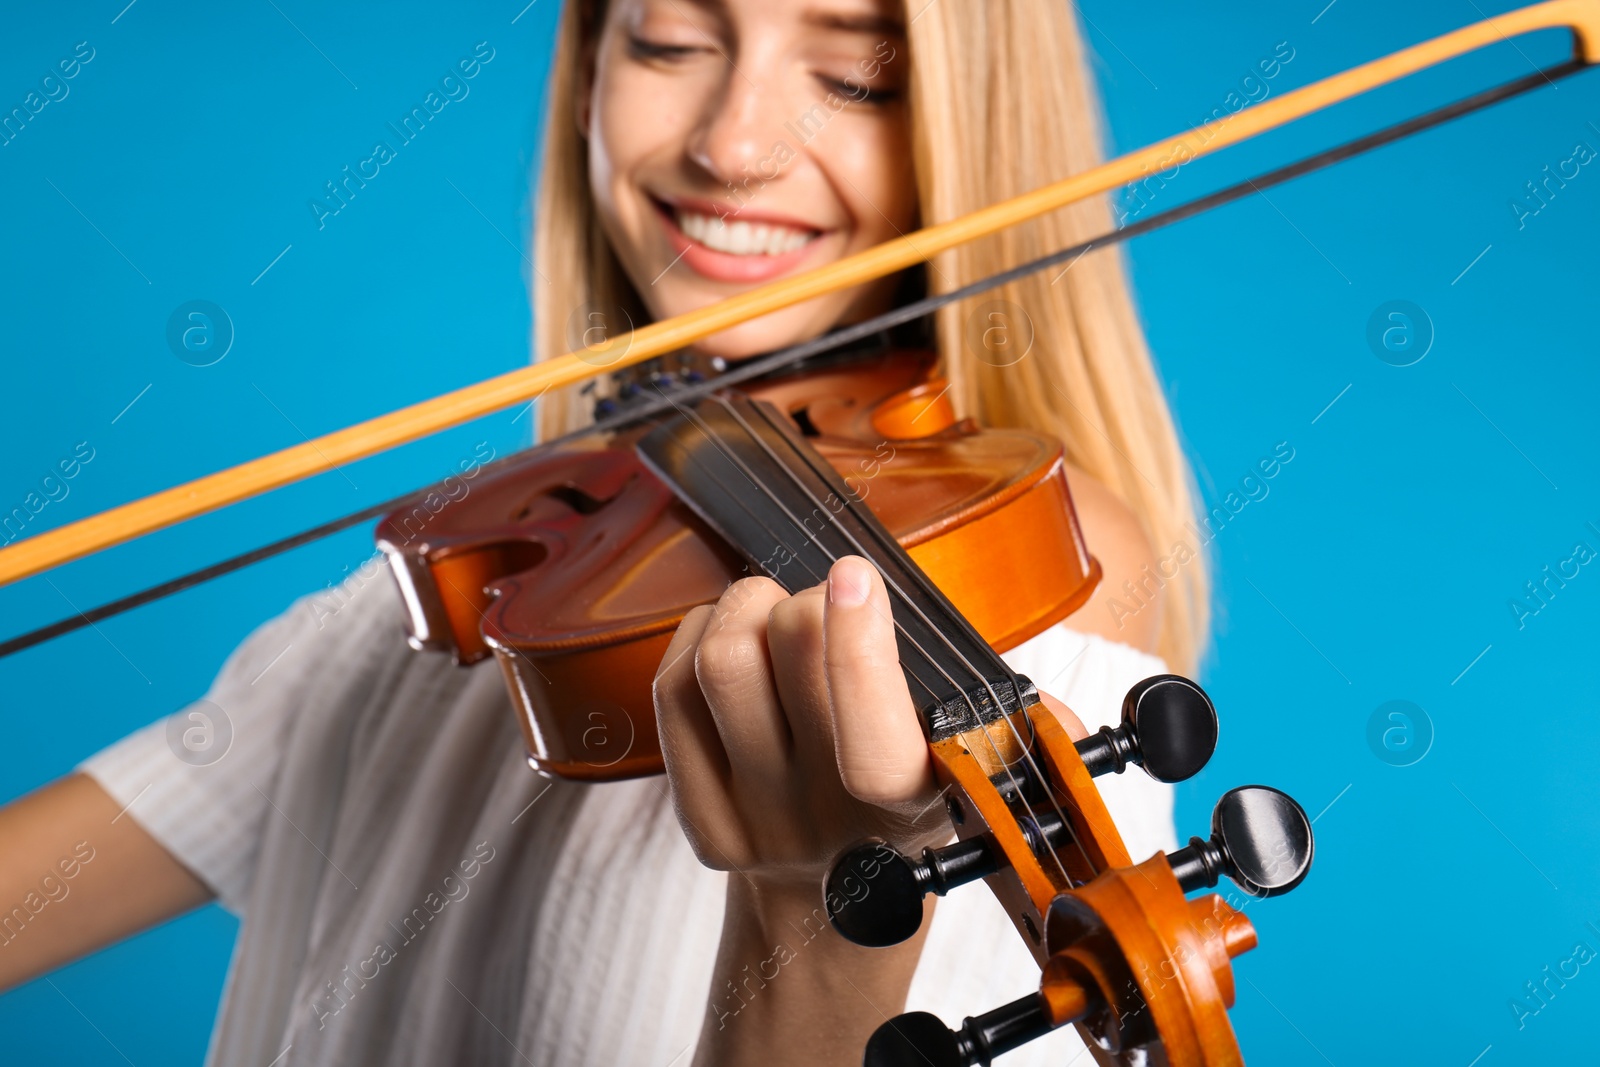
(76, 874)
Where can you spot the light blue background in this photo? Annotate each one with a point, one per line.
(1378, 568)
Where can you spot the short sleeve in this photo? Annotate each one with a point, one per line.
(199, 780)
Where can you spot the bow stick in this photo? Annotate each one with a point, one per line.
(168, 507)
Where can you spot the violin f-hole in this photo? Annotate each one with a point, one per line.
(576, 498)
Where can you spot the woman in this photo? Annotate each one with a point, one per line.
(411, 893)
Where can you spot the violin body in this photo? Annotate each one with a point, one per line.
(574, 566)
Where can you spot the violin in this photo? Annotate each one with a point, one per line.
(573, 564)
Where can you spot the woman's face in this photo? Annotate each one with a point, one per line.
(733, 142)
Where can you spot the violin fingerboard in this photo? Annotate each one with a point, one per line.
(744, 469)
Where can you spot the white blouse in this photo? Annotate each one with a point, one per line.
(412, 893)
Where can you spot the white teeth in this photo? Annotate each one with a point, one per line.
(740, 238)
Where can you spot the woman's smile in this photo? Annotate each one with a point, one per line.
(725, 244)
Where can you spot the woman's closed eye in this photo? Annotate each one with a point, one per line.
(648, 50)
(857, 90)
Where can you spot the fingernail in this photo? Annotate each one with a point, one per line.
(849, 582)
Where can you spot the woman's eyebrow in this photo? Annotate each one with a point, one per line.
(715, 9)
(849, 22)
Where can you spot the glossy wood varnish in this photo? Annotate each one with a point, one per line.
(574, 567)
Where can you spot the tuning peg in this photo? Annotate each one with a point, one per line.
(1260, 838)
(918, 1039)
(874, 894)
(1169, 727)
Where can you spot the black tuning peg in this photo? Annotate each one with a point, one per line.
(874, 894)
(1260, 838)
(918, 1039)
(1169, 727)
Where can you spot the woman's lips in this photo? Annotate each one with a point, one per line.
(727, 266)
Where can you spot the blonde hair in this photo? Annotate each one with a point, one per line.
(1001, 102)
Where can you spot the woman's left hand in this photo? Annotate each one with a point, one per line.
(789, 735)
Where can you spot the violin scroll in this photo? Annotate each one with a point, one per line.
(1125, 953)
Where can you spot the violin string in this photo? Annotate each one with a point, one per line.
(710, 433)
(767, 364)
(903, 597)
(714, 438)
(1023, 746)
(811, 571)
(832, 558)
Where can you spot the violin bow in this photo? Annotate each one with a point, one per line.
(125, 522)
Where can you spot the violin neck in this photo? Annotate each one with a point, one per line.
(749, 473)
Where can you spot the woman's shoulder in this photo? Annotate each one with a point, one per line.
(1117, 539)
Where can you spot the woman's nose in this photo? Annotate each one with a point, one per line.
(739, 130)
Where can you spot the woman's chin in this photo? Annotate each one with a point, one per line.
(756, 338)
(769, 333)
